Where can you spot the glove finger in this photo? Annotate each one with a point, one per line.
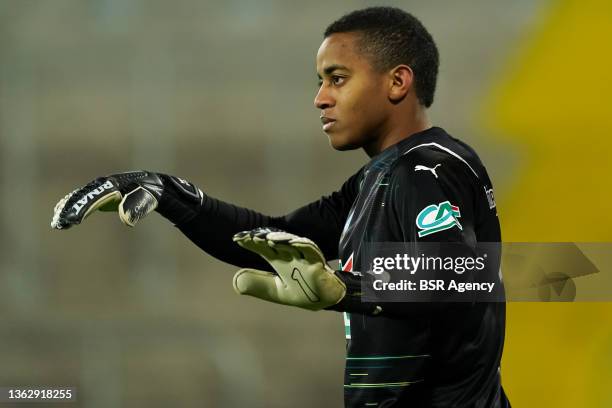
(252, 241)
(286, 252)
(277, 240)
(256, 283)
(280, 236)
(309, 250)
(79, 204)
(280, 240)
(260, 232)
(299, 247)
(57, 222)
(136, 205)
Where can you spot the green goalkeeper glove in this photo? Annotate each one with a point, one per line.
(302, 276)
(134, 195)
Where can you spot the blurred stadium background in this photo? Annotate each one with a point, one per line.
(220, 92)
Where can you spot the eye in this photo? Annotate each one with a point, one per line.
(334, 80)
(337, 80)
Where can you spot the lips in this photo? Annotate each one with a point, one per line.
(327, 122)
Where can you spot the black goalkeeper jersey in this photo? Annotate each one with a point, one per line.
(410, 355)
(442, 356)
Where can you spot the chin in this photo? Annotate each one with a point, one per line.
(341, 144)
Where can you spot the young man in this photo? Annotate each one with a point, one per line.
(377, 70)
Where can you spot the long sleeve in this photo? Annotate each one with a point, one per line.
(322, 221)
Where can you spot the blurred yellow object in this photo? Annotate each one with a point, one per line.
(552, 106)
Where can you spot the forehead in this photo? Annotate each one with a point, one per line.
(340, 49)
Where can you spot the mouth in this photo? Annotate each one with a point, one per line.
(327, 122)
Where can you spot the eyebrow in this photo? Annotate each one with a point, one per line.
(328, 70)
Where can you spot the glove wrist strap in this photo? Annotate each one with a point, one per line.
(181, 200)
(352, 302)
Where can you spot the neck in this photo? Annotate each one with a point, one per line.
(402, 128)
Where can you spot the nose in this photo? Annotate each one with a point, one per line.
(323, 100)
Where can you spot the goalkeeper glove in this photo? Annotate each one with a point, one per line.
(134, 195)
(302, 276)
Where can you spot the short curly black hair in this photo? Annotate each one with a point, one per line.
(390, 37)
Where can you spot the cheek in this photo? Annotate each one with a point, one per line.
(368, 106)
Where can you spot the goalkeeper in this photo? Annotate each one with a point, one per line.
(377, 69)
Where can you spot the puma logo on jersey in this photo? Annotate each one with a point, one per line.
(433, 170)
(78, 206)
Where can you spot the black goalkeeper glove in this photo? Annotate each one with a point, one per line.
(134, 195)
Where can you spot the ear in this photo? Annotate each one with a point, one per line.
(401, 79)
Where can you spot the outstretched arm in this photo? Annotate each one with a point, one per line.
(217, 222)
(208, 222)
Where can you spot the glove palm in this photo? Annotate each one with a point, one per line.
(302, 277)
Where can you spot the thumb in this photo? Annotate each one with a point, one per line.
(136, 205)
(256, 283)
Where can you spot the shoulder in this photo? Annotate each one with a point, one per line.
(445, 156)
